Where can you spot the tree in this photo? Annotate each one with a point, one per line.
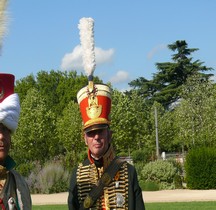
(24, 85)
(129, 122)
(195, 115)
(167, 131)
(35, 138)
(69, 127)
(58, 88)
(166, 83)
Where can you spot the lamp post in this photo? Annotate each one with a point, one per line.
(156, 130)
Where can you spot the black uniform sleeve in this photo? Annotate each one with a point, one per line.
(135, 198)
(73, 202)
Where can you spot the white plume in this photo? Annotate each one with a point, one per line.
(3, 20)
(86, 27)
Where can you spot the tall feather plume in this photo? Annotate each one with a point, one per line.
(3, 20)
(86, 27)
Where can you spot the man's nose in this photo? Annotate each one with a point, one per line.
(96, 135)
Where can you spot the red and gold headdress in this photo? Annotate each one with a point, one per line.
(94, 99)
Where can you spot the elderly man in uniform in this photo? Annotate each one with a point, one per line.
(103, 180)
(14, 192)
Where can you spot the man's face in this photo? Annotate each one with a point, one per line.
(98, 141)
(5, 142)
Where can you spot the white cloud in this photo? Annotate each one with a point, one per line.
(103, 56)
(73, 60)
(155, 50)
(120, 77)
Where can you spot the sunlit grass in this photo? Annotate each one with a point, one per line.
(50, 207)
(181, 206)
(210, 205)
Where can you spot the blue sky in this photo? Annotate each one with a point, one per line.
(130, 36)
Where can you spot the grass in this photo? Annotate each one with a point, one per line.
(182, 206)
(210, 205)
(50, 207)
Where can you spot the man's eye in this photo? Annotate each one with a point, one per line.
(95, 132)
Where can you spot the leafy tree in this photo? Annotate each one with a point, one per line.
(166, 128)
(58, 88)
(24, 85)
(167, 132)
(69, 127)
(35, 138)
(165, 85)
(129, 121)
(195, 116)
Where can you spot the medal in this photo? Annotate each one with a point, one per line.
(120, 200)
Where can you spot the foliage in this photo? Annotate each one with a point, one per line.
(149, 186)
(61, 86)
(201, 168)
(129, 122)
(166, 131)
(178, 181)
(195, 116)
(50, 122)
(35, 135)
(50, 178)
(165, 85)
(160, 172)
(57, 88)
(141, 155)
(47, 99)
(69, 127)
(24, 85)
(25, 168)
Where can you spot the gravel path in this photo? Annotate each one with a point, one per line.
(149, 197)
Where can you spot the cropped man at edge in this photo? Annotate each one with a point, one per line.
(103, 181)
(14, 191)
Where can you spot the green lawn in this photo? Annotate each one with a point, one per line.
(181, 206)
(50, 207)
(151, 206)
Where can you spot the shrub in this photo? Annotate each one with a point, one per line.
(178, 181)
(141, 156)
(160, 172)
(25, 168)
(139, 167)
(200, 168)
(51, 178)
(149, 186)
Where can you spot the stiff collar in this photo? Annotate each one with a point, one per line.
(104, 160)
